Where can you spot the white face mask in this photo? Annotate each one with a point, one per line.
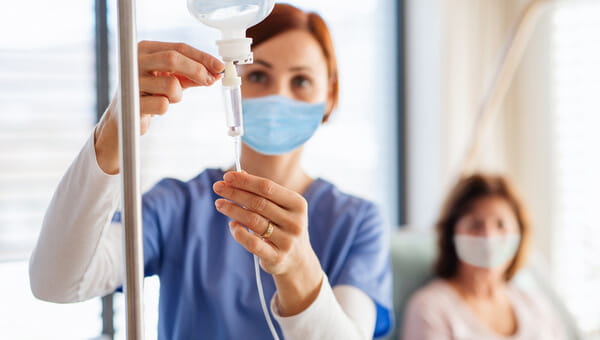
(486, 252)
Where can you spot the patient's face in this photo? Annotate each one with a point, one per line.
(290, 64)
(489, 216)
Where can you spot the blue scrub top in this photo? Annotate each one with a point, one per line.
(207, 281)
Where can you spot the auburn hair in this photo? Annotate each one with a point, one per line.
(460, 202)
(285, 18)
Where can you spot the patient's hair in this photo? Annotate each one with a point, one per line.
(287, 18)
(459, 202)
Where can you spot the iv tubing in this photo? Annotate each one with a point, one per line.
(261, 293)
(236, 145)
(263, 304)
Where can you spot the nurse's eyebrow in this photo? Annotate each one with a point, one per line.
(263, 63)
(300, 68)
(292, 69)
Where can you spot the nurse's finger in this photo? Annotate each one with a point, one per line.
(282, 196)
(253, 243)
(145, 121)
(253, 221)
(213, 64)
(153, 105)
(167, 86)
(174, 62)
(183, 81)
(254, 202)
(186, 83)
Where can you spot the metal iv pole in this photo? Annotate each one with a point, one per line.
(129, 134)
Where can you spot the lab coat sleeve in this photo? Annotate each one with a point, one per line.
(78, 254)
(341, 313)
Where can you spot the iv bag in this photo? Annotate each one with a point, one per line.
(231, 17)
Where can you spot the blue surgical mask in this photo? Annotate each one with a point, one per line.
(275, 125)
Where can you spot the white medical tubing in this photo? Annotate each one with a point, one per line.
(261, 293)
(263, 304)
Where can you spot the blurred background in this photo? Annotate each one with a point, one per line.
(413, 75)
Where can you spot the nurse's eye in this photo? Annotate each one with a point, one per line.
(257, 77)
(301, 82)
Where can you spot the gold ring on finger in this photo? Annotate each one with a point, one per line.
(268, 232)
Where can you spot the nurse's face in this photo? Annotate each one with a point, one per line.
(290, 64)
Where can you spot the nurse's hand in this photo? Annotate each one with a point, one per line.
(287, 253)
(165, 70)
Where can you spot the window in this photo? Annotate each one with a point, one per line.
(575, 71)
(46, 110)
(46, 114)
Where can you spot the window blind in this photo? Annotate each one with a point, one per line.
(47, 111)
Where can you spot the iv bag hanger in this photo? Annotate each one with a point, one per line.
(129, 134)
(509, 60)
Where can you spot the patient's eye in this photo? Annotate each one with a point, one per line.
(501, 224)
(475, 224)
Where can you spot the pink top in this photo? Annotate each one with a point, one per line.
(437, 312)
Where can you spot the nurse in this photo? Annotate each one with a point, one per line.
(324, 253)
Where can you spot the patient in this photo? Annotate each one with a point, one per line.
(483, 237)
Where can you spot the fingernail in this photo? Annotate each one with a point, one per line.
(218, 66)
(229, 177)
(232, 227)
(219, 186)
(218, 204)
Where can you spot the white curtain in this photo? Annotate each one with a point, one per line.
(517, 141)
(475, 33)
(452, 50)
